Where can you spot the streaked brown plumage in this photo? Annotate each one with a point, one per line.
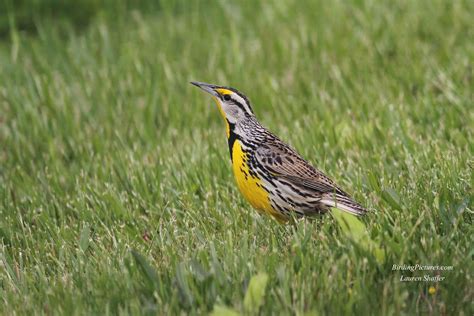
(272, 176)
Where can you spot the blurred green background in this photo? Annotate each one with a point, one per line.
(29, 15)
(116, 192)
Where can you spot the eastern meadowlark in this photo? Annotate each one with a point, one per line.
(271, 175)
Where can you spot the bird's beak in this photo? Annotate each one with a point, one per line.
(209, 88)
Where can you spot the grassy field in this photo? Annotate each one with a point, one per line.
(116, 192)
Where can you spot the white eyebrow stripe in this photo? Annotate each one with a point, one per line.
(242, 101)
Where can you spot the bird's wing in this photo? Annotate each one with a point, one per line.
(284, 162)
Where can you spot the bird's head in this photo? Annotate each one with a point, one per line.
(233, 105)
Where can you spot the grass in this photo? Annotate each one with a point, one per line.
(116, 192)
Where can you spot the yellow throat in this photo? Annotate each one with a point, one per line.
(249, 185)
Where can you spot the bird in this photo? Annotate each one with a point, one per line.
(270, 174)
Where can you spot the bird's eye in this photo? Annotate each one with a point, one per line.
(227, 97)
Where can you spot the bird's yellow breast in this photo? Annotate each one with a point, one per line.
(250, 185)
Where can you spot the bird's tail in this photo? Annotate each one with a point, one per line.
(344, 203)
